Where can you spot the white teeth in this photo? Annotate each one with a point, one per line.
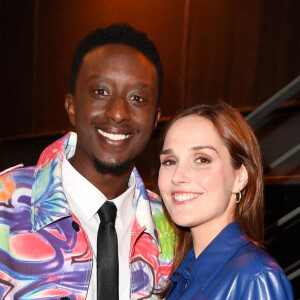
(114, 137)
(185, 196)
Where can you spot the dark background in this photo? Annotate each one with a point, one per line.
(238, 51)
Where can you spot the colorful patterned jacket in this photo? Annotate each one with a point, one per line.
(44, 251)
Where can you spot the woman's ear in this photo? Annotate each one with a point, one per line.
(241, 179)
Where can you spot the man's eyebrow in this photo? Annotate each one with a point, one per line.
(97, 76)
(142, 84)
(138, 84)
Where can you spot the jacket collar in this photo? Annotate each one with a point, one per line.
(218, 252)
(143, 210)
(48, 201)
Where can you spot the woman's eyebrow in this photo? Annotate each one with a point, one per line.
(204, 147)
(194, 148)
(165, 151)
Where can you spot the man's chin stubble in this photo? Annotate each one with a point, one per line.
(113, 169)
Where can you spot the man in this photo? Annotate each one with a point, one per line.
(48, 213)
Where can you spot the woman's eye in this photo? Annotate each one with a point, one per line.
(137, 98)
(203, 160)
(168, 162)
(101, 92)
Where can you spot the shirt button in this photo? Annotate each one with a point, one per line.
(76, 228)
(189, 270)
(175, 274)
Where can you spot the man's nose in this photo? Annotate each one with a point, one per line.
(117, 110)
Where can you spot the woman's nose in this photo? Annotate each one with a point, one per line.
(181, 174)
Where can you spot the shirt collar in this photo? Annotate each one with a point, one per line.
(81, 191)
(126, 201)
(222, 248)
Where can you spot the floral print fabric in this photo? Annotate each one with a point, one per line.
(45, 253)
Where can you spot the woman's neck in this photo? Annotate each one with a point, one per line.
(204, 234)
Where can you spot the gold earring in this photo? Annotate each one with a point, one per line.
(238, 197)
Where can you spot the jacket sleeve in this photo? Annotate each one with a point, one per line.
(268, 285)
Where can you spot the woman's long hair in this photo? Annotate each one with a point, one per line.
(239, 139)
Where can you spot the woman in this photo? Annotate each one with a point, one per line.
(211, 182)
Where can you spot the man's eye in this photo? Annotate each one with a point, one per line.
(137, 98)
(101, 92)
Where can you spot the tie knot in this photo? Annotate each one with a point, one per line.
(108, 212)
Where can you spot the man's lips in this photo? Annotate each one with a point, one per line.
(114, 136)
(184, 196)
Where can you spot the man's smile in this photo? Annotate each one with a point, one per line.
(114, 136)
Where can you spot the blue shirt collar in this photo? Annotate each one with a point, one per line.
(218, 252)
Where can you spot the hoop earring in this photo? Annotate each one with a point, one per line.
(238, 197)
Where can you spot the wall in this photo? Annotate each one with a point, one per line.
(238, 51)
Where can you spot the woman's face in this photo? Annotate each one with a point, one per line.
(196, 178)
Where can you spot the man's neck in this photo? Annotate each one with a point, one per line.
(110, 185)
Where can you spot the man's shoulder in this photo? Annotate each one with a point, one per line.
(50, 159)
(11, 169)
(14, 178)
(155, 202)
(153, 197)
(17, 170)
(166, 232)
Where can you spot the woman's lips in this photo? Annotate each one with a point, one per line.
(184, 197)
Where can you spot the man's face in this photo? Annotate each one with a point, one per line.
(114, 106)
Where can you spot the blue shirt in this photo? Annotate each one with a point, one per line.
(230, 268)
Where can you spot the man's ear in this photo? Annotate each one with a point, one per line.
(157, 117)
(241, 179)
(70, 107)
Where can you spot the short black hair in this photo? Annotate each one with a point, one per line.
(120, 33)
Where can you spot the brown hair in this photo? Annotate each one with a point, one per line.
(243, 148)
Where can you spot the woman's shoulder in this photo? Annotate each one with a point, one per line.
(258, 275)
(255, 260)
(258, 267)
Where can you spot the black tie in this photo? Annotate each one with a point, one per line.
(107, 254)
